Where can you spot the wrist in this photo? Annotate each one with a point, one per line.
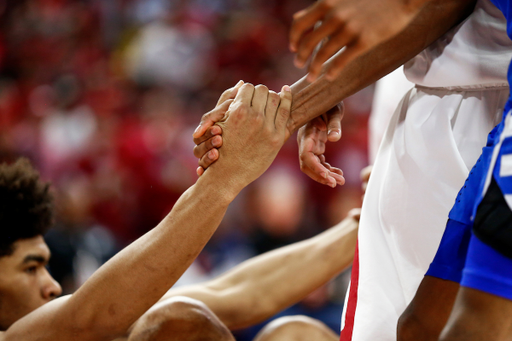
(226, 188)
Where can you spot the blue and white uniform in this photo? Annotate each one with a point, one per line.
(476, 248)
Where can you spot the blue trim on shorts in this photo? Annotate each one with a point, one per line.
(487, 270)
(451, 255)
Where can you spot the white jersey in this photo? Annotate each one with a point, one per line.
(433, 139)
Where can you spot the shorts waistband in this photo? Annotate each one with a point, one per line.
(465, 88)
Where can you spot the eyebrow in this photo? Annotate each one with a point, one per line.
(35, 258)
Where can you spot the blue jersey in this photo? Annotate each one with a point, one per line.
(505, 6)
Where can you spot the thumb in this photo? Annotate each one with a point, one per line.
(334, 117)
(230, 93)
(211, 118)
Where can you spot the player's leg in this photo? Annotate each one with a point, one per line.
(428, 312)
(479, 316)
(426, 315)
(180, 319)
(483, 308)
(296, 328)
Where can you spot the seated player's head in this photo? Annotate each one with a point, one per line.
(26, 212)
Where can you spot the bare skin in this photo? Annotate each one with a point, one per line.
(250, 293)
(479, 316)
(356, 25)
(296, 328)
(125, 287)
(25, 284)
(311, 100)
(180, 319)
(426, 315)
(261, 287)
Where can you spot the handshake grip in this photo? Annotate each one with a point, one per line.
(242, 135)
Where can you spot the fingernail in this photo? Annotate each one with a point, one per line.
(215, 130)
(199, 126)
(298, 63)
(216, 141)
(240, 82)
(334, 131)
(311, 77)
(199, 171)
(287, 88)
(292, 48)
(323, 175)
(211, 154)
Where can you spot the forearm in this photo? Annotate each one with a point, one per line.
(137, 277)
(264, 285)
(434, 19)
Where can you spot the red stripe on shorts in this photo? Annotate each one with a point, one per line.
(346, 333)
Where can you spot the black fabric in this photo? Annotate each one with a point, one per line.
(493, 221)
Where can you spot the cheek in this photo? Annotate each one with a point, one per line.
(17, 300)
(23, 291)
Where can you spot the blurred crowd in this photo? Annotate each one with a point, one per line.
(103, 97)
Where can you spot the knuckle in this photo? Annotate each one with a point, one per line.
(339, 17)
(284, 111)
(351, 29)
(261, 87)
(196, 152)
(248, 86)
(326, 4)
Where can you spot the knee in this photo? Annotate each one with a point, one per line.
(407, 327)
(296, 328)
(179, 318)
(410, 328)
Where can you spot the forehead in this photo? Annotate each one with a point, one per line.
(24, 247)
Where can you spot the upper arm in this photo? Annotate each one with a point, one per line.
(49, 322)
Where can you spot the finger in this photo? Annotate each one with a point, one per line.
(355, 214)
(212, 117)
(334, 117)
(334, 173)
(210, 132)
(310, 40)
(273, 101)
(310, 165)
(230, 93)
(332, 178)
(349, 54)
(259, 100)
(283, 112)
(209, 158)
(245, 94)
(304, 21)
(340, 180)
(329, 49)
(199, 171)
(206, 146)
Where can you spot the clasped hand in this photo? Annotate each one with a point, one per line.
(252, 121)
(311, 138)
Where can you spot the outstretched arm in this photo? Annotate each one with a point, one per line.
(132, 281)
(264, 285)
(355, 25)
(435, 18)
(311, 100)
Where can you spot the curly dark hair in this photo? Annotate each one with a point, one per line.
(26, 204)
